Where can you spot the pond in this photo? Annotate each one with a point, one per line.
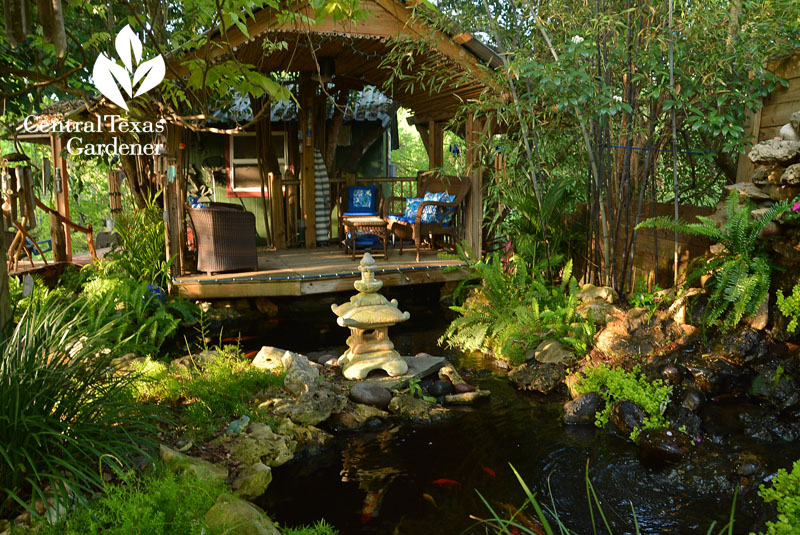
(406, 479)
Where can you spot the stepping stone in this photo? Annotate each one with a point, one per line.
(418, 367)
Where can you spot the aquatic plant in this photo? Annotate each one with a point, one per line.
(546, 517)
(790, 307)
(739, 274)
(63, 414)
(614, 384)
(785, 492)
(512, 308)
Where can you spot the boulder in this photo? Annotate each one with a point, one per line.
(583, 409)
(787, 133)
(692, 399)
(686, 421)
(418, 410)
(775, 151)
(440, 388)
(266, 307)
(198, 468)
(357, 416)
(301, 376)
(791, 177)
(760, 318)
(715, 376)
(782, 192)
(748, 190)
(104, 239)
(235, 516)
(269, 358)
(668, 445)
(371, 394)
(794, 120)
(625, 417)
(590, 292)
(542, 378)
(601, 312)
(450, 373)
(311, 408)
(466, 397)
(310, 440)
(778, 389)
(253, 481)
(768, 174)
(263, 445)
(553, 352)
(671, 374)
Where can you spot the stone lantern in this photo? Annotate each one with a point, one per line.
(369, 315)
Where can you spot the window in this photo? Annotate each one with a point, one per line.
(244, 174)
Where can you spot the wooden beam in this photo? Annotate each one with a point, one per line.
(169, 179)
(744, 171)
(474, 164)
(307, 88)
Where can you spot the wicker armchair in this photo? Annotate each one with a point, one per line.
(226, 238)
(407, 226)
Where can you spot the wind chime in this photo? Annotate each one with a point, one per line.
(19, 206)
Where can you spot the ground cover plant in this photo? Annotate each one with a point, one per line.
(785, 492)
(207, 394)
(739, 274)
(790, 307)
(614, 384)
(513, 308)
(156, 503)
(63, 413)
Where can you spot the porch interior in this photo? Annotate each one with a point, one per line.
(291, 272)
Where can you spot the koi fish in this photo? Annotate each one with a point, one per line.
(251, 354)
(371, 506)
(447, 482)
(430, 499)
(488, 471)
(239, 338)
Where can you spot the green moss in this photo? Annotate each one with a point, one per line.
(785, 492)
(160, 503)
(618, 385)
(206, 398)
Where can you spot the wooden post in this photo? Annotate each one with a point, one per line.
(169, 180)
(61, 188)
(435, 145)
(59, 241)
(114, 194)
(474, 212)
(27, 200)
(307, 161)
(5, 298)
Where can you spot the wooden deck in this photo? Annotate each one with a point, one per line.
(313, 271)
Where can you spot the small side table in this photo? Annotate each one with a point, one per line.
(369, 224)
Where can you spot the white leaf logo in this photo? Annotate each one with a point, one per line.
(109, 75)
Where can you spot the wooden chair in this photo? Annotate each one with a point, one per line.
(407, 226)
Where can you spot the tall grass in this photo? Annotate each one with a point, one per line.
(64, 415)
(549, 522)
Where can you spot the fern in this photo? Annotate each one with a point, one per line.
(511, 309)
(740, 274)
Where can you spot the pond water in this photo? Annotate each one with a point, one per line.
(405, 479)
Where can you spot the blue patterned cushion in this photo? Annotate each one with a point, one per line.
(362, 199)
(412, 204)
(439, 214)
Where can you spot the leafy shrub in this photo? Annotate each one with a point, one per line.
(160, 503)
(617, 385)
(785, 492)
(514, 309)
(739, 274)
(790, 307)
(140, 253)
(63, 414)
(206, 397)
